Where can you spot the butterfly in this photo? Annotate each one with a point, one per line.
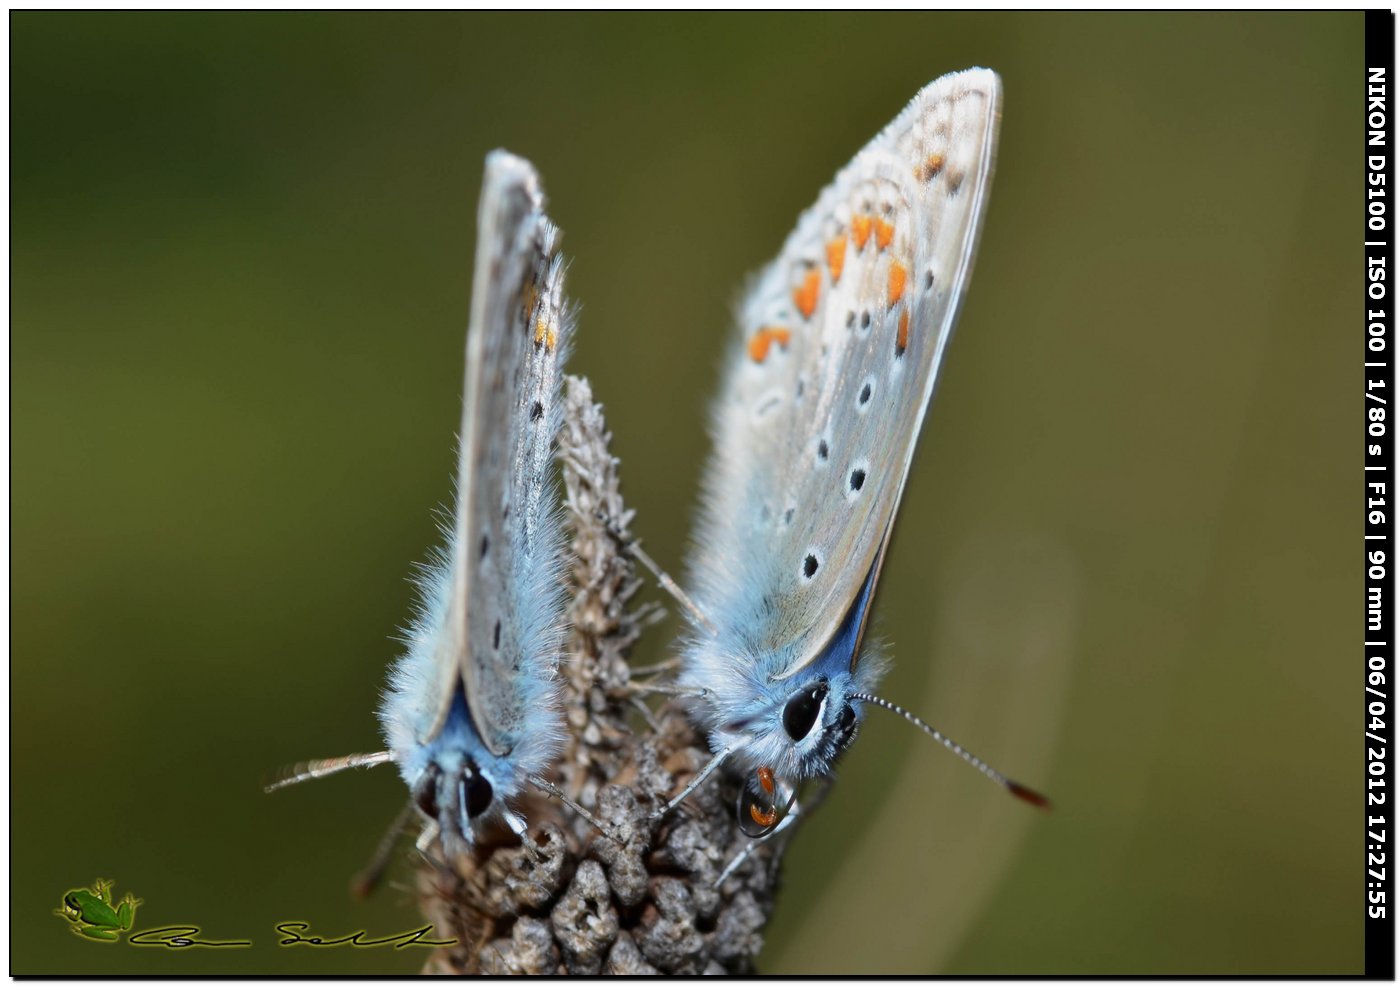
(472, 714)
(823, 395)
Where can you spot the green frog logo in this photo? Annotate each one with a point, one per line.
(94, 915)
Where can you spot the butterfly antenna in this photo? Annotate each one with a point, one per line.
(1019, 790)
(312, 769)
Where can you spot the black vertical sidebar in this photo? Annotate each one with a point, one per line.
(1379, 673)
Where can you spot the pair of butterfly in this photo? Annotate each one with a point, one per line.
(821, 405)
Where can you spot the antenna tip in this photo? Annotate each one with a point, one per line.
(1029, 796)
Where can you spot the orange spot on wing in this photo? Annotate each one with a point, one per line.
(763, 340)
(901, 341)
(765, 780)
(860, 229)
(884, 233)
(836, 257)
(898, 275)
(930, 168)
(545, 334)
(804, 296)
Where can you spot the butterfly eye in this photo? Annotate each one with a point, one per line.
(800, 714)
(847, 726)
(425, 791)
(478, 794)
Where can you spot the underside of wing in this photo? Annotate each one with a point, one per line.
(841, 341)
(504, 617)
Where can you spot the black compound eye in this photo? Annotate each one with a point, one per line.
(847, 726)
(800, 714)
(425, 791)
(478, 794)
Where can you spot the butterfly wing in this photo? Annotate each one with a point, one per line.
(503, 623)
(841, 341)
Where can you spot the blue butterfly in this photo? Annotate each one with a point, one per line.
(472, 716)
(820, 406)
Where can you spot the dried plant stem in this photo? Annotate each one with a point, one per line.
(645, 901)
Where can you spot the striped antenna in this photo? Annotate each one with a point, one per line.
(312, 769)
(1019, 790)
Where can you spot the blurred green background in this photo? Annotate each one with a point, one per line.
(1126, 570)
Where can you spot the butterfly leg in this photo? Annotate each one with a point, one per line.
(748, 850)
(517, 825)
(641, 707)
(671, 587)
(826, 783)
(664, 580)
(660, 667)
(432, 833)
(368, 878)
(427, 837)
(554, 792)
(695, 782)
(672, 690)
